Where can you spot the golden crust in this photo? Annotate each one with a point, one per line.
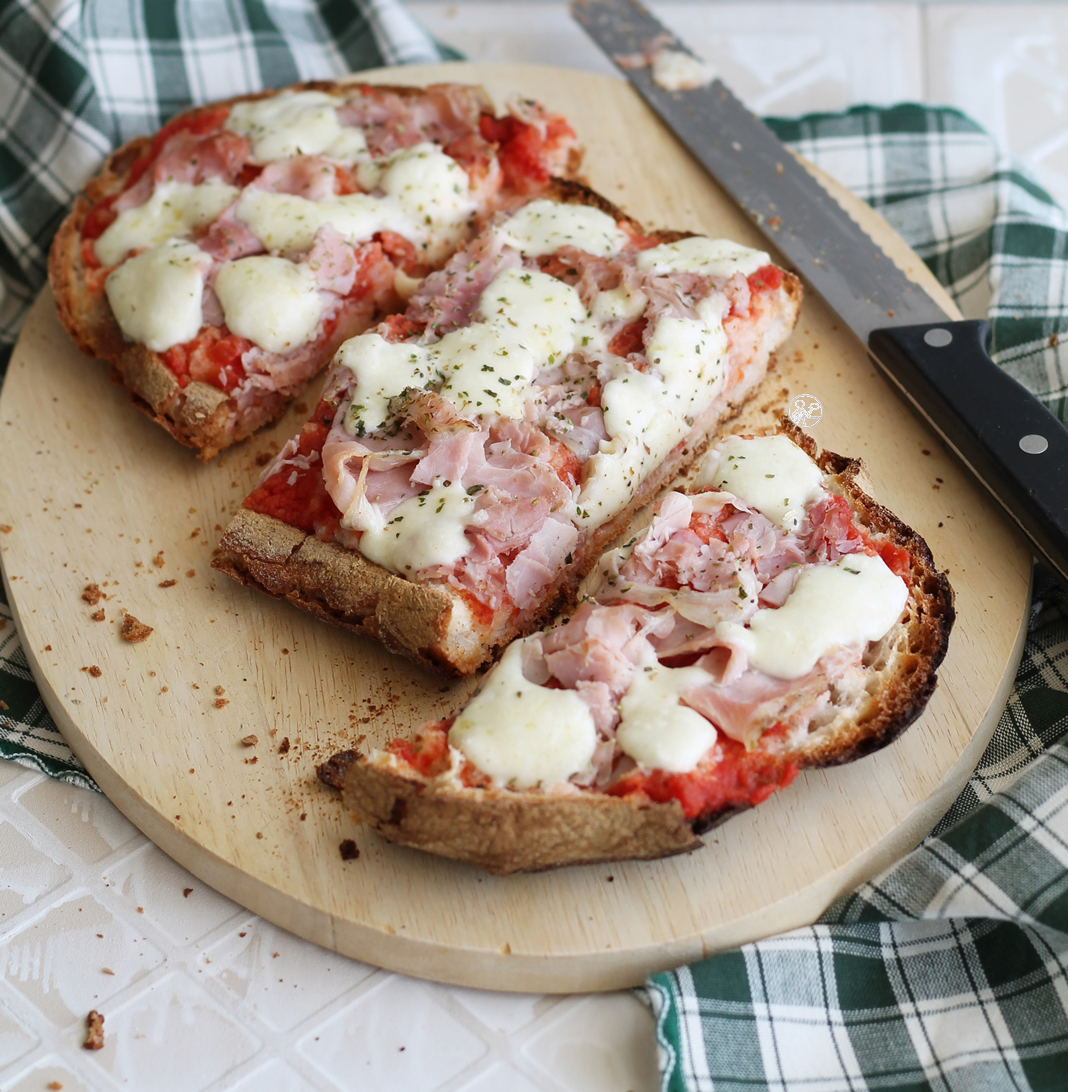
(504, 831)
(197, 415)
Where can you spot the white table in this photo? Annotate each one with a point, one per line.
(200, 994)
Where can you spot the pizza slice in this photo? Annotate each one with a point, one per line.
(219, 265)
(469, 460)
(772, 618)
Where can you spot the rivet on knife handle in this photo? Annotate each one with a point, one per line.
(1012, 443)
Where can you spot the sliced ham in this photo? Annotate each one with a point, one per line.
(312, 177)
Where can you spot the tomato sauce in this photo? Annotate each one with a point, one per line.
(296, 495)
(524, 150)
(739, 779)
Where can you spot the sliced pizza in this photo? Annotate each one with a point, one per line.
(219, 265)
(469, 460)
(772, 618)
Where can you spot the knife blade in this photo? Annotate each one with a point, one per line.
(1015, 447)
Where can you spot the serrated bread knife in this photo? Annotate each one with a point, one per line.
(1005, 436)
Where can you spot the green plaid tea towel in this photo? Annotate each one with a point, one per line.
(950, 970)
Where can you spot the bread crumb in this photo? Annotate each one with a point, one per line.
(259, 833)
(167, 583)
(98, 615)
(186, 892)
(94, 1035)
(132, 630)
(250, 741)
(220, 702)
(252, 761)
(283, 747)
(54, 1086)
(220, 690)
(106, 970)
(6, 528)
(191, 572)
(92, 594)
(4, 706)
(94, 671)
(158, 560)
(349, 852)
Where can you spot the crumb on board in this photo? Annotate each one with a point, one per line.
(283, 747)
(98, 615)
(94, 1031)
(167, 583)
(221, 702)
(349, 852)
(158, 560)
(186, 892)
(54, 1086)
(133, 630)
(220, 690)
(250, 741)
(94, 671)
(92, 594)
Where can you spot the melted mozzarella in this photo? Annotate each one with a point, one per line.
(698, 254)
(269, 300)
(646, 415)
(619, 303)
(856, 599)
(543, 226)
(656, 730)
(296, 123)
(427, 199)
(770, 473)
(674, 70)
(522, 734)
(488, 371)
(547, 315)
(422, 531)
(383, 369)
(174, 211)
(157, 296)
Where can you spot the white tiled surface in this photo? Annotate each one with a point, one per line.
(198, 993)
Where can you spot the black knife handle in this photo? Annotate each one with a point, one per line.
(1015, 446)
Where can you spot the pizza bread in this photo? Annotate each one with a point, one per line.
(469, 460)
(773, 618)
(218, 265)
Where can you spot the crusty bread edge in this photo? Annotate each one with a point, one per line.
(489, 827)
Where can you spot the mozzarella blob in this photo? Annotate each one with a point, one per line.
(521, 734)
(770, 473)
(157, 296)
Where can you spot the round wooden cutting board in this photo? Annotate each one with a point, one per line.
(94, 493)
